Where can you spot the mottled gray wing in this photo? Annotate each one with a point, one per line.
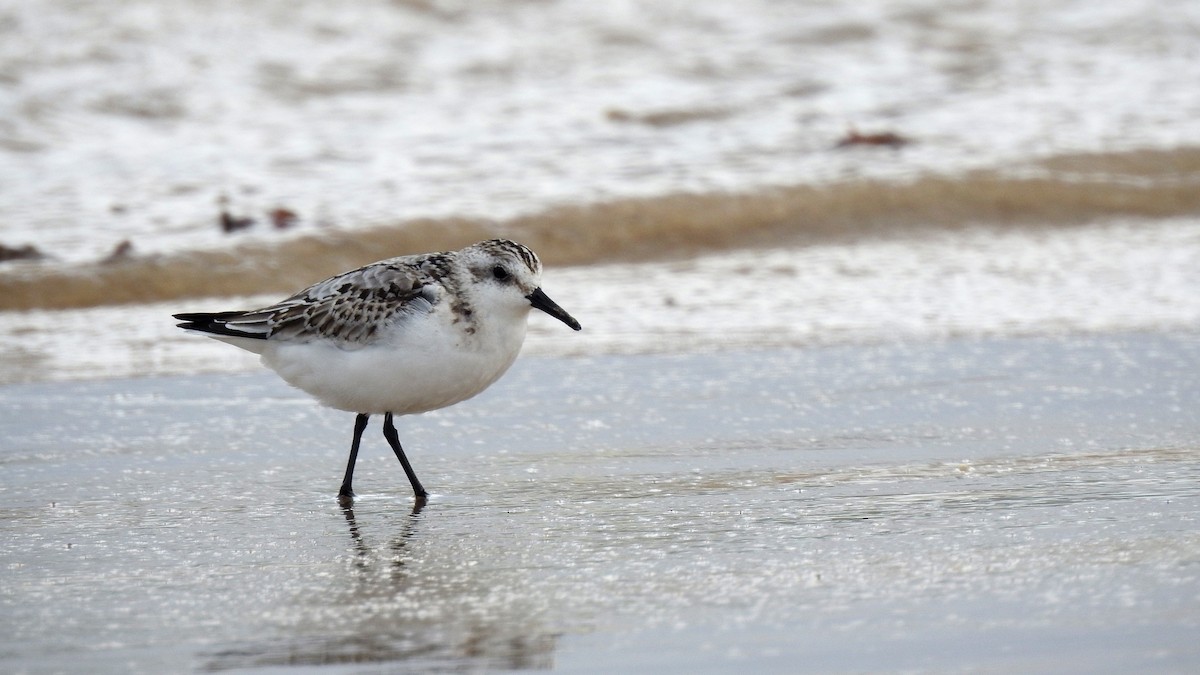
(350, 307)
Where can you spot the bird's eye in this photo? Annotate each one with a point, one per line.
(500, 273)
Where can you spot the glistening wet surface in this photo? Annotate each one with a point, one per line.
(1023, 504)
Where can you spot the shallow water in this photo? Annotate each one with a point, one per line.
(1023, 504)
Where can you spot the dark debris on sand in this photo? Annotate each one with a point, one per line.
(887, 139)
(26, 252)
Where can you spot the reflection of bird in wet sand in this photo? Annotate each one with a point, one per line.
(360, 546)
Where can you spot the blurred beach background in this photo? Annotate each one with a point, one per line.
(940, 254)
(1016, 167)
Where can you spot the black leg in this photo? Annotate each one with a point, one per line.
(389, 432)
(360, 423)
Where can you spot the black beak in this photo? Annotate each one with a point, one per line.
(541, 301)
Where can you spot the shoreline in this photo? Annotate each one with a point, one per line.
(1067, 191)
(1107, 278)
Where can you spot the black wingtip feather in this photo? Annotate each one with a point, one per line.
(214, 324)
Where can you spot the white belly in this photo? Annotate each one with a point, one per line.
(406, 374)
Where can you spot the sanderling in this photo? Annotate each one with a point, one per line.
(400, 336)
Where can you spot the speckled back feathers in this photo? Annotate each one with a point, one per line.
(353, 307)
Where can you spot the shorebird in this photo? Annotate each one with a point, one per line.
(397, 337)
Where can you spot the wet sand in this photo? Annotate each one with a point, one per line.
(1024, 505)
